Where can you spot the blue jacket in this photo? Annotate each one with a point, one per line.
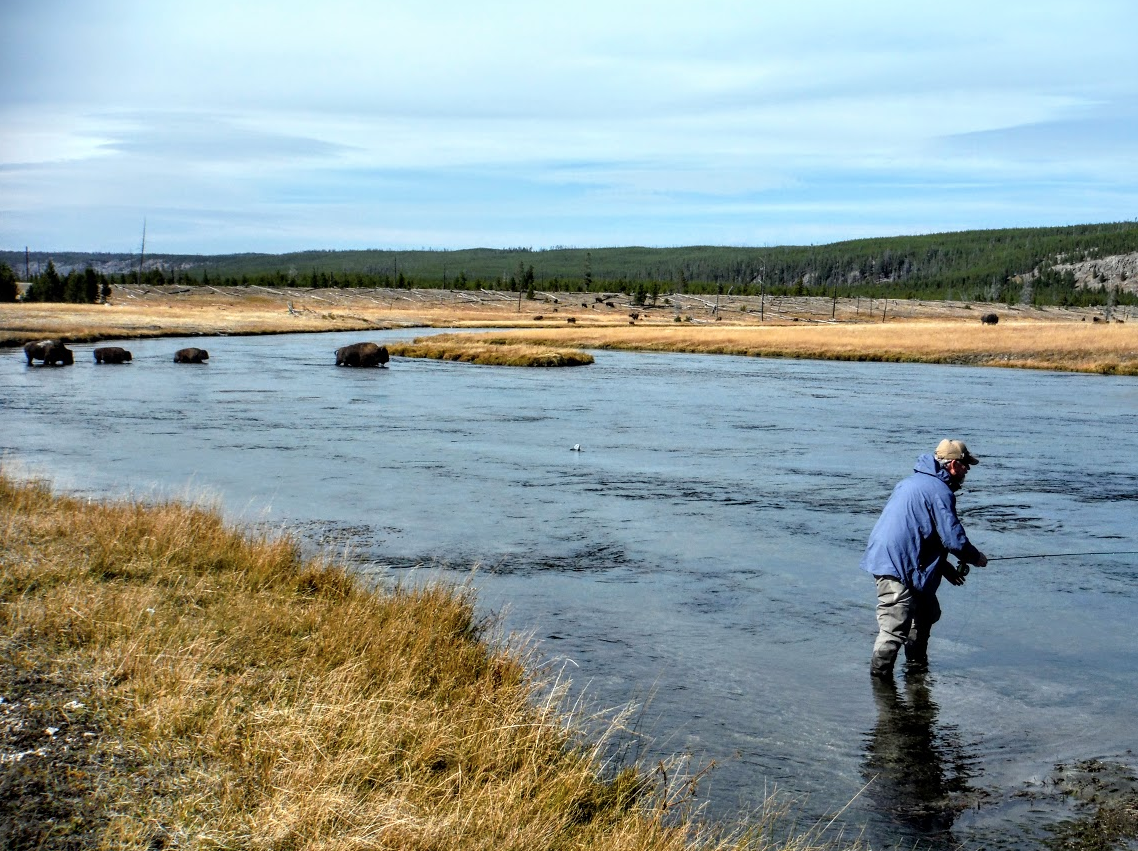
(917, 530)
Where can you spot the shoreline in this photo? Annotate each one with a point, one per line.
(168, 676)
(1052, 338)
(171, 679)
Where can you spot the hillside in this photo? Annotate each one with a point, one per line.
(1075, 265)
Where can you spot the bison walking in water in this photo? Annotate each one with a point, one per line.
(51, 352)
(191, 355)
(362, 354)
(112, 354)
(989, 319)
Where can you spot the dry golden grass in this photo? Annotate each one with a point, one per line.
(482, 350)
(165, 318)
(181, 311)
(211, 690)
(1071, 346)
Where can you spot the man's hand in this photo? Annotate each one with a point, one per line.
(981, 560)
(953, 575)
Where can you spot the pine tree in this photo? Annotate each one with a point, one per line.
(90, 285)
(73, 291)
(46, 287)
(8, 287)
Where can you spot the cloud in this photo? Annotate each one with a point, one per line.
(590, 123)
(213, 138)
(1100, 136)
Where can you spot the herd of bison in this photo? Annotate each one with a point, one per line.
(56, 353)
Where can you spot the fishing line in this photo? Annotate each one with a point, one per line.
(968, 605)
(963, 569)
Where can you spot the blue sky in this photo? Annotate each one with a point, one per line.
(279, 126)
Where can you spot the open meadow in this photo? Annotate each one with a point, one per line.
(1064, 346)
(1074, 339)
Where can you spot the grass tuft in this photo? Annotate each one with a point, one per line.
(488, 350)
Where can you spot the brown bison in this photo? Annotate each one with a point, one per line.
(112, 354)
(989, 319)
(51, 352)
(191, 355)
(362, 354)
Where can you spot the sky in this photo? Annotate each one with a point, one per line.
(280, 126)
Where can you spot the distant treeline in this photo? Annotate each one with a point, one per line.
(85, 286)
(1011, 266)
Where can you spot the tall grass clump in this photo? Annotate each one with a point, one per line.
(179, 683)
(487, 350)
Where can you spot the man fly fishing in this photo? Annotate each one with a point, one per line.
(908, 554)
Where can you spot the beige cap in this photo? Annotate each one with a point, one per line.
(955, 450)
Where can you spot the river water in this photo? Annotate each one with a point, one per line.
(697, 556)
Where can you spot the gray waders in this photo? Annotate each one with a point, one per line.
(904, 618)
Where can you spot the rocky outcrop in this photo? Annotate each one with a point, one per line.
(1119, 270)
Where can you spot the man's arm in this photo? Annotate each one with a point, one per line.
(953, 537)
(970, 555)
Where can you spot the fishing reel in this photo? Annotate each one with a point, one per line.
(954, 573)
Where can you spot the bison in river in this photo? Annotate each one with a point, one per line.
(191, 355)
(361, 354)
(112, 354)
(51, 352)
(989, 319)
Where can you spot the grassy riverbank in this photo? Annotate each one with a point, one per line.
(848, 329)
(1070, 347)
(169, 681)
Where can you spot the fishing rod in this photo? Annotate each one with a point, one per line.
(1063, 555)
(962, 568)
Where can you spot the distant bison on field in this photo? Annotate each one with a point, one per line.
(112, 354)
(989, 319)
(362, 354)
(51, 352)
(191, 355)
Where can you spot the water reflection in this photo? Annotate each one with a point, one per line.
(917, 768)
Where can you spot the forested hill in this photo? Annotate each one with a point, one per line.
(1045, 265)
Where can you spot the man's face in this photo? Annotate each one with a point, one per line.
(957, 470)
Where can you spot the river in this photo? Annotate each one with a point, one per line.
(697, 556)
